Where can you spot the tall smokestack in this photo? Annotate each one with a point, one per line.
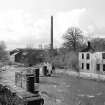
(51, 32)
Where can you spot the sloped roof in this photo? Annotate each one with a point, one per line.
(89, 48)
(24, 50)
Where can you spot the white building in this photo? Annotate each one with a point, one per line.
(92, 62)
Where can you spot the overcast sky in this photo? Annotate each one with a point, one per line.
(25, 22)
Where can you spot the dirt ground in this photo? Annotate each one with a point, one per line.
(62, 89)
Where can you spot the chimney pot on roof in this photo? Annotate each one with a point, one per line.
(89, 45)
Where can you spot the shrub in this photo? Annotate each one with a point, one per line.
(68, 60)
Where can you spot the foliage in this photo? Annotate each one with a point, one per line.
(98, 44)
(66, 60)
(50, 54)
(33, 57)
(73, 38)
(3, 52)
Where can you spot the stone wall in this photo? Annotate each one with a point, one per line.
(12, 95)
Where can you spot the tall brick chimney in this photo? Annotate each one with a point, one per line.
(51, 32)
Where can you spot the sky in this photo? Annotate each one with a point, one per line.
(27, 22)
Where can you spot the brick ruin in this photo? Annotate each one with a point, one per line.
(24, 92)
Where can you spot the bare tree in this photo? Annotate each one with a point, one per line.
(73, 38)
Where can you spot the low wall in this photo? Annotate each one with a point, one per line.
(83, 75)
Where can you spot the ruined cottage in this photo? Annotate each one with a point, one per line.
(91, 61)
(27, 56)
